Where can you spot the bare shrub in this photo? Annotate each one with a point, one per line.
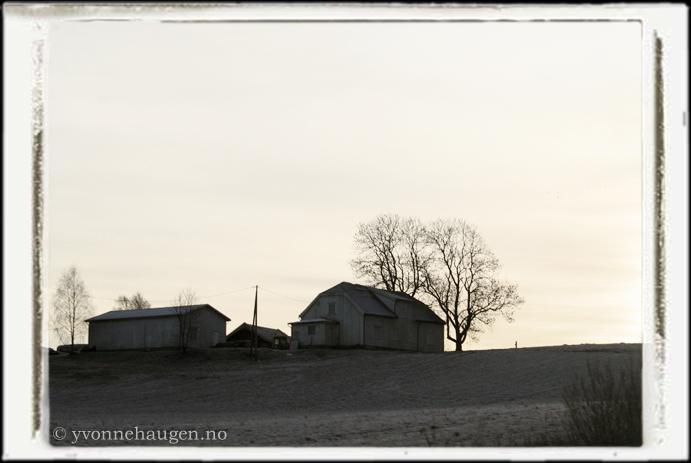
(605, 408)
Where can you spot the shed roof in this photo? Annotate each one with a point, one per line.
(149, 313)
(267, 334)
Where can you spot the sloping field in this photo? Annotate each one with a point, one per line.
(317, 397)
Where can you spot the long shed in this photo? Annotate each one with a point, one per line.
(356, 315)
(159, 327)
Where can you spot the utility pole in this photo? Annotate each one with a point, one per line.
(254, 353)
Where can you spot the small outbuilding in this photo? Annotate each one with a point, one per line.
(159, 327)
(266, 337)
(356, 315)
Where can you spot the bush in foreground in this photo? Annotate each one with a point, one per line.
(604, 409)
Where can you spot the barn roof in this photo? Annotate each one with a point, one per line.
(267, 334)
(364, 299)
(375, 301)
(425, 314)
(149, 313)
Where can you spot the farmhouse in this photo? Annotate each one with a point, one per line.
(355, 315)
(160, 327)
(266, 337)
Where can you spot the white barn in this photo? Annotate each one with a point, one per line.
(151, 328)
(356, 315)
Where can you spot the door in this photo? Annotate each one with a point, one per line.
(215, 338)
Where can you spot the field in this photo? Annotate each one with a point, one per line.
(317, 397)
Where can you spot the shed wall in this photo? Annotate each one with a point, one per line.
(378, 332)
(208, 322)
(154, 332)
(300, 332)
(430, 337)
(141, 333)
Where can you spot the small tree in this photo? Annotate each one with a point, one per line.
(71, 307)
(183, 306)
(136, 302)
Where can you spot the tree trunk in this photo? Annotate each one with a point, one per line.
(459, 342)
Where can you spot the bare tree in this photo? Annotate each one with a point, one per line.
(446, 264)
(391, 253)
(136, 302)
(462, 281)
(71, 307)
(183, 307)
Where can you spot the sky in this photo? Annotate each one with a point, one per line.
(220, 156)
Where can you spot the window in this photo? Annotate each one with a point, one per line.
(311, 329)
(332, 308)
(377, 332)
(193, 333)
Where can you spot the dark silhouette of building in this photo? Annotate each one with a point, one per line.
(266, 337)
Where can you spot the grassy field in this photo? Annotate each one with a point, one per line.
(319, 397)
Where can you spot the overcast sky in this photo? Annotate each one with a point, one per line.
(223, 156)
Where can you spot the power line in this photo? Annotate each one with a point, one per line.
(229, 292)
(299, 300)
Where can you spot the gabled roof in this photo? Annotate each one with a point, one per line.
(267, 334)
(375, 301)
(149, 313)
